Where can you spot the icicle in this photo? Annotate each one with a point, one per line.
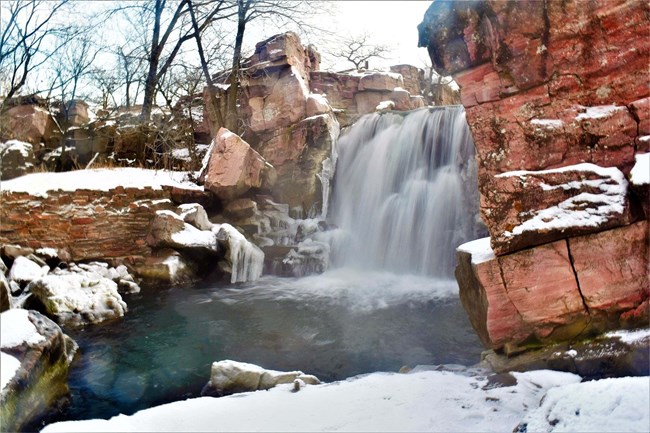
(246, 259)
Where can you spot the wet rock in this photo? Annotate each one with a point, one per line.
(230, 377)
(168, 266)
(234, 167)
(41, 355)
(240, 209)
(615, 354)
(5, 293)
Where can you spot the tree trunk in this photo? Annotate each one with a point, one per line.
(152, 75)
(231, 108)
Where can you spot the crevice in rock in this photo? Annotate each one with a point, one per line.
(505, 286)
(575, 274)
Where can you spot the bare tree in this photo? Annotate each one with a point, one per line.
(358, 50)
(27, 28)
(174, 32)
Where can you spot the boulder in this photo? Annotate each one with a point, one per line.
(78, 299)
(17, 158)
(380, 81)
(168, 266)
(5, 293)
(29, 122)
(25, 271)
(234, 167)
(316, 105)
(278, 98)
(36, 354)
(230, 377)
(168, 230)
(557, 291)
(195, 214)
(76, 112)
(412, 77)
(526, 208)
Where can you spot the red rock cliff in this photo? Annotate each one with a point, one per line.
(557, 99)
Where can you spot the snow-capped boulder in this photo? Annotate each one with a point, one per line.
(195, 214)
(168, 266)
(526, 208)
(17, 159)
(119, 275)
(230, 377)
(78, 298)
(24, 270)
(168, 230)
(36, 357)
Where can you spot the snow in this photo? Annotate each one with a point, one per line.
(38, 184)
(192, 237)
(640, 174)
(16, 329)
(8, 368)
(301, 81)
(572, 212)
(24, 270)
(385, 105)
(599, 111)
(644, 139)
(547, 123)
(620, 404)
(480, 249)
(47, 252)
(319, 98)
(631, 337)
(418, 401)
(24, 148)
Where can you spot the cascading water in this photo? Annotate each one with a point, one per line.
(405, 192)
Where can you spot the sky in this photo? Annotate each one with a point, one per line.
(392, 23)
(389, 23)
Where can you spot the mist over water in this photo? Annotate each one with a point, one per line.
(405, 192)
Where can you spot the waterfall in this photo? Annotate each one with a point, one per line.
(404, 193)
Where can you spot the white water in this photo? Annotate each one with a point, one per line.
(405, 192)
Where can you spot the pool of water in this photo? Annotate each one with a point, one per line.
(335, 325)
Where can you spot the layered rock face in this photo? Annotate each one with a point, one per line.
(557, 99)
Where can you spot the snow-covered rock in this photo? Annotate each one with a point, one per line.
(17, 159)
(24, 270)
(534, 207)
(195, 214)
(78, 298)
(230, 377)
(168, 230)
(34, 365)
(617, 404)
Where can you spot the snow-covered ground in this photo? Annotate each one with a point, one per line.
(38, 184)
(419, 401)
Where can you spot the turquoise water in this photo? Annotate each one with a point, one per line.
(334, 326)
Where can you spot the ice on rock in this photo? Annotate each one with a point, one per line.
(246, 259)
